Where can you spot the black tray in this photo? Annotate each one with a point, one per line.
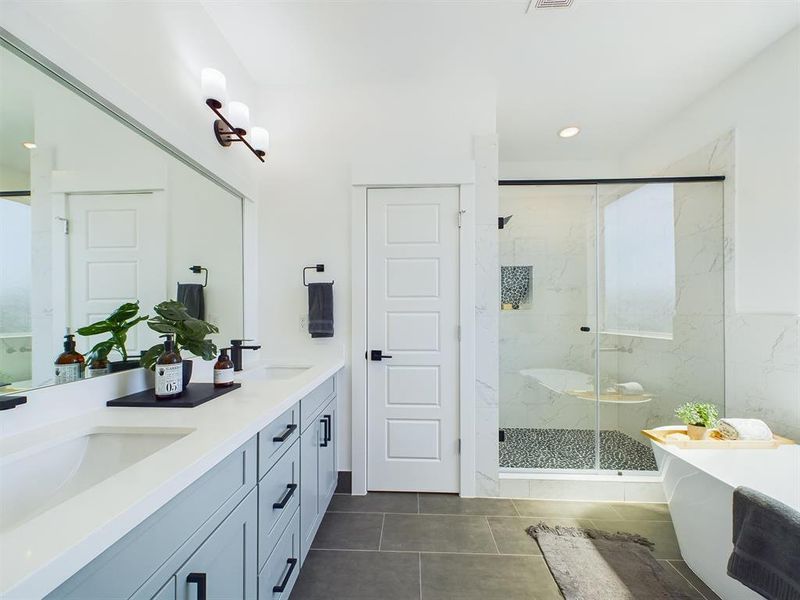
(195, 394)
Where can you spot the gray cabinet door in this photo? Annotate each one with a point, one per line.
(309, 485)
(226, 563)
(327, 456)
(167, 592)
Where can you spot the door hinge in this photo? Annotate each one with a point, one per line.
(459, 445)
(461, 217)
(458, 333)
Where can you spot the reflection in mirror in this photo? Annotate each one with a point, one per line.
(94, 216)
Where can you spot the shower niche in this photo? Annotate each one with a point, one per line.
(627, 322)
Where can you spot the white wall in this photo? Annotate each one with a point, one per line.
(135, 55)
(318, 134)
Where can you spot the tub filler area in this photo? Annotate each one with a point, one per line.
(699, 485)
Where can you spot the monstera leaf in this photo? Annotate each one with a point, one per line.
(190, 333)
(117, 324)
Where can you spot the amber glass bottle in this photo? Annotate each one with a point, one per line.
(169, 372)
(69, 364)
(223, 370)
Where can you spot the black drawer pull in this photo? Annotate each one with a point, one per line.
(277, 589)
(329, 428)
(326, 426)
(290, 490)
(285, 435)
(200, 580)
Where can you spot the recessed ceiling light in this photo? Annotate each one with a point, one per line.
(29, 145)
(569, 132)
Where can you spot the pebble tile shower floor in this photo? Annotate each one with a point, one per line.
(529, 448)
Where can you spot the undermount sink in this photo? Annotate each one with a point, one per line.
(38, 478)
(272, 373)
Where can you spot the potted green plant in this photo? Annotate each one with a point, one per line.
(698, 417)
(190, 335)
(117, 325)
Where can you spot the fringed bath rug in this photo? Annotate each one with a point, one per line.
(589, 564)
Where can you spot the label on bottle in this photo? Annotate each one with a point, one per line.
(68, 373)
(169, 379)
(92, 372)
(223, 376)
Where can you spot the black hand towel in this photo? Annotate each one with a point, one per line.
(191, 296)
(766, 545)
(320, 309)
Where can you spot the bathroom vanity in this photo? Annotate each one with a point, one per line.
(220, 501)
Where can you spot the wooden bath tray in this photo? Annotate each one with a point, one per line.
(677, 437)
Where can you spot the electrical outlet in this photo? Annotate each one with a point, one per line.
(304, 322)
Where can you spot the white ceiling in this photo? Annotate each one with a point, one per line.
(615, 67)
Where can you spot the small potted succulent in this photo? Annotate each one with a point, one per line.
(190, 334)
(117, 325)
(698, 417)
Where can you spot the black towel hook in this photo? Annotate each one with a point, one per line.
(197, 269)
(319, 268)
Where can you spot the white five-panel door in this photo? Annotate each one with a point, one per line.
(117, 253)
(412, 318)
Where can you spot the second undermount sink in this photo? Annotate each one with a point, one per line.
(38, 478)
(268, 373)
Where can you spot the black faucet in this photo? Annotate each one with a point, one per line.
(236, 352)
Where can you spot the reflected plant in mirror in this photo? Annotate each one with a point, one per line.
(190, 334)
(117, 325)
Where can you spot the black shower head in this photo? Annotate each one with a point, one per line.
(502, 221)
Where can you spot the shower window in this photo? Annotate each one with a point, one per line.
(638, 234)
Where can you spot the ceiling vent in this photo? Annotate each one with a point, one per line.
(553, 3)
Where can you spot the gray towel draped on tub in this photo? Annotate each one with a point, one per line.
(320, 309)
(191, 296)
(766, 545)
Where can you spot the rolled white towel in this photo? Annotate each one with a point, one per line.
(630, 389)
(744, 429)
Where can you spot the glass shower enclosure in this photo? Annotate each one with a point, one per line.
(611, 316)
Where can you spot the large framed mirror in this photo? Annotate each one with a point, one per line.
(95, 215)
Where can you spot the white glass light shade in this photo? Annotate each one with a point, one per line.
(259, 139)
(239, 116)
(213, 85)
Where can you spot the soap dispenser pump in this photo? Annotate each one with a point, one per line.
(223, 370)
(69, 364)
(169, 371)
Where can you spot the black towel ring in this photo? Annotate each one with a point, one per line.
(197, 269)
(319, 268)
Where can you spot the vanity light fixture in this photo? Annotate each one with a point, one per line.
(234, 127)
(29, 145)
(569, 132)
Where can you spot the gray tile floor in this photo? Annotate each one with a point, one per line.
(392, 546)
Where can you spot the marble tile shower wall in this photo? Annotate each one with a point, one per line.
(553, 230)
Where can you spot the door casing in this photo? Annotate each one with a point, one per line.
(459, 174)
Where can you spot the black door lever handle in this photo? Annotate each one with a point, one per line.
(378, 355)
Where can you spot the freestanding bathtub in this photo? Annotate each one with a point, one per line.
(699, 484)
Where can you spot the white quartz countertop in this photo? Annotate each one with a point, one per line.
(43, 552)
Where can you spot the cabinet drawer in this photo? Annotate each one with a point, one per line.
(314, 401)
(278, 499)
(276, 437)
(277, 578)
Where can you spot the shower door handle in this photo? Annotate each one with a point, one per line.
(584, 328)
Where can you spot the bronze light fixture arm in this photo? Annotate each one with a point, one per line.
(231, 134)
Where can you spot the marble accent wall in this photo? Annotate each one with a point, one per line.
(487, 298)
